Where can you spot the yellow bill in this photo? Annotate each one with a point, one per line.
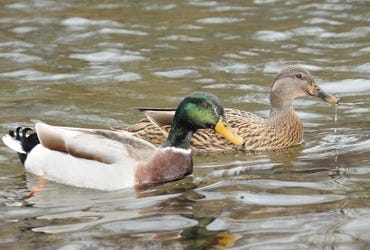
(227, 132)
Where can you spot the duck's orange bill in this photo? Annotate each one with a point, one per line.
(227, 132)
(320, 93)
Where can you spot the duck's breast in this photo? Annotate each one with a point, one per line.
(167, 164)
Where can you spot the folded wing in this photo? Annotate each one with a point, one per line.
(100, 145)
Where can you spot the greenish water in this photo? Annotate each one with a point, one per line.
(86, 63)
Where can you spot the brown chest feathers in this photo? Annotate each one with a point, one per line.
(167, 164)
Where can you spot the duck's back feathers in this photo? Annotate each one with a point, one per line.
(160, 118)
(101, 145)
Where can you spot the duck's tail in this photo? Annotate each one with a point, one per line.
(21, 140)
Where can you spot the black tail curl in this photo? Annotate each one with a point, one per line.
(27, 138)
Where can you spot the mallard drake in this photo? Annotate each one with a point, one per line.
(282, 128)
(111, 160)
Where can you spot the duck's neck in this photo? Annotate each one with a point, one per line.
(179, 136)
(280, 117)
(283, 118)
(280, 105)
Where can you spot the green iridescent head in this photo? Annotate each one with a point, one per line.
(199, 110)
(196, 111)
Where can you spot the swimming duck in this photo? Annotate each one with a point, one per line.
(282, 128)
(111, 160)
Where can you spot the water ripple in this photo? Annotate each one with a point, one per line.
(20, 57)
(78, 22)
(349, 87)
(152, 7)
(183, 38)
(24, 29)
(190, 27)
(203, 3)
(219, 20)
(160, 223)
(266, 199)
(272, 36)
(16, 44)
(178, 73)
(34, 75)
(307, 31)
(330, 7)
(231, 67)
(286, 232)
(230, 8)
(122, 32)
(38, 5)
(318, 20)
(358, 225)
(275, 184)
(110, 55)
(125, 217)
(281, 224)
(358, 32)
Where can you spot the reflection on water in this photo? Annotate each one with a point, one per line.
(75, 63)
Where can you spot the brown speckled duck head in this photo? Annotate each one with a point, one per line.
(292, 82)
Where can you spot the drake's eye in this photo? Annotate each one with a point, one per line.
(205, 105)
(299, 76)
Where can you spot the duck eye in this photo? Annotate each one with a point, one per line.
(205, 105)
(299, 76)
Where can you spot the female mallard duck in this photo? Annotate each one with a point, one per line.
(282, 128)
(111, 160)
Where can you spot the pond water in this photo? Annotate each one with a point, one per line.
(87, 63)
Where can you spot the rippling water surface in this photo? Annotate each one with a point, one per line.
(85, 63)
